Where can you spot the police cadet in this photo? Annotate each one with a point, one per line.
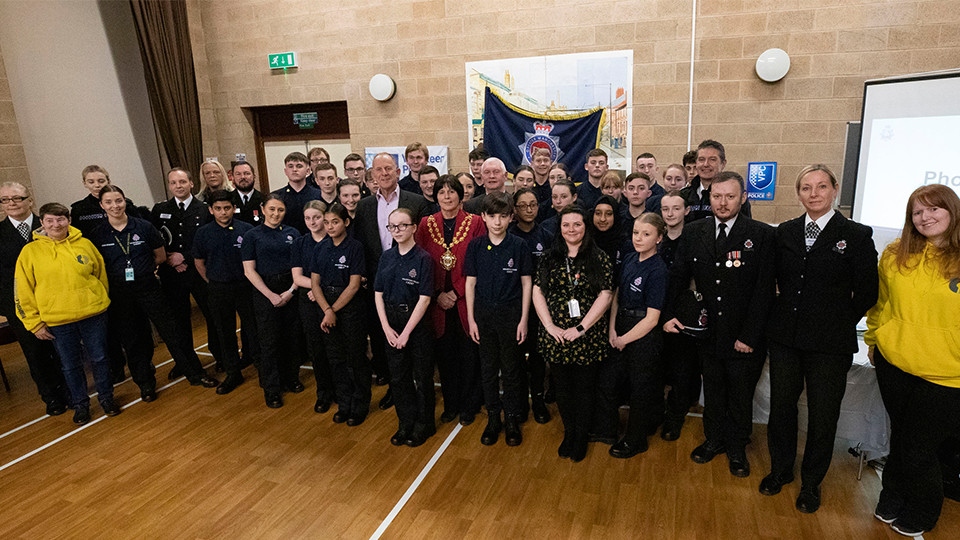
(525, 227)
(499, 283)
(178, 220)
(246, 198)
(266, 263)
(298, 192)
(731, 258)
(310, 317)
(337, 266)
(634, 332)
(217, 256)
(402, 291)
(132, 248)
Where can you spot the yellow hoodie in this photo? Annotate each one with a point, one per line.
(916, 321)
(59, 282)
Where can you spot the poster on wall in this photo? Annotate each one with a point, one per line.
(559, 87)
(438, 157)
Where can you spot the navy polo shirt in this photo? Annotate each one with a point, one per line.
(543, 191)
(270, 248)
(587, 194)
(498, 269)
(220, 248)
(643, 284)
(301, 256)
(538, 241)
(295, 201)
(403, 279)
(139, 238)
(335, 264)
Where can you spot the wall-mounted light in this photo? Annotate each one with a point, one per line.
(773, 64)
(382, 87)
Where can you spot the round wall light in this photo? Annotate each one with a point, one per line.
(382, 87)
(773, 64)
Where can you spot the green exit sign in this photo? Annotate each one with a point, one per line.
(285, 60)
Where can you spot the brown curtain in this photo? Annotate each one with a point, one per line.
(168, 66)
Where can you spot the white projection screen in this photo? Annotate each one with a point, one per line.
(910, 137)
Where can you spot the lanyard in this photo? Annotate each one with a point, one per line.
(124, 249)
(574, 279)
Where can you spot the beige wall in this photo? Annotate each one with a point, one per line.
(834, 44)
(13, 163)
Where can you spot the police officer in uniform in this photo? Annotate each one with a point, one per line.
(246, 198)
(731, 259)
(178, 220)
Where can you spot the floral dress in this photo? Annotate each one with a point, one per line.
(558, 287)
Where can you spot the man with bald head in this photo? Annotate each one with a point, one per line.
(494, 176)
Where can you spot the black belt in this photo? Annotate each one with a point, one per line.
(638, 313)
(397, 308)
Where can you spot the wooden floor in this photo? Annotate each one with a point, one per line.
(197, 465)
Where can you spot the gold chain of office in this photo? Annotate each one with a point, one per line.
(448, 260)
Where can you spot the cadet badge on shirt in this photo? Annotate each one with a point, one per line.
(413, 272)
(840, 247)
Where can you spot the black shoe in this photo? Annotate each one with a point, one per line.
(296, 387)
(624, 450)
(149, 395)
(467, 418)
(809, 500)
(773, 483)
(175, 373)
(540, 413)
(321, 406)
(387, 400)
(81, 415)
(204, 380)
(420, 436)
(110, 408)
(886, 513)
(400, 437)
(339, 417)
(671, 430)
(229, 385)
(355, 421)
(511, 433)
(56, 408)
(706, 452)
(274, 401)
(448, 416)
(492, 432)
(566, 448)
(604, 439)
(902, 526)
(739, 466)
(578, 450)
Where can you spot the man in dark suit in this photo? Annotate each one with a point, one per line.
(371, 230)
(494, 175)
(710, 161)
(731, 259)
(178, 220)
(827, 277)
(15, 231)
(245, 197)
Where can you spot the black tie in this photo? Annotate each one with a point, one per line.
(244, 199)
(182, 207)
(721, 236)
(24, 230)
(811, 233)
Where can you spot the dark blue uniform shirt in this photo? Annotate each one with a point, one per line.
(643, 284)
(220, 248)
(403, 279)
(335, 264)
(270, 248)
(295, 201)
(538, 241)
(301, 256)
(498, 269)
(139, 238)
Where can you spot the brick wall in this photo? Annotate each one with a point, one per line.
(13, 163)
(834, 46)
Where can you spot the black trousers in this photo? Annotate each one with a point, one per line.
(728, 385)
(458, 361)
(576, 392)
(149, 299)
(177, 287)
(922, 416)
(825, 376)
(643, 366)
(313, 338)
(411, 373)
(535, 367)
(43, 362)
(278, 330)
(378, 342)
(227, 300)
(612, 386)
(128, 323)
(682, 369)
(501, 360)
(349, 365)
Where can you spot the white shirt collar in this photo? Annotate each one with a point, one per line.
(28, 221)
(186, 202)
(729, 222)
(821, 221)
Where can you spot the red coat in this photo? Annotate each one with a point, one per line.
(425, 240)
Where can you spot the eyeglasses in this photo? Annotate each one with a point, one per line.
(8, 200)
(354, 169)
(525, 206)
(399, 227)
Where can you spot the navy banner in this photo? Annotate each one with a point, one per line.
(511, 134)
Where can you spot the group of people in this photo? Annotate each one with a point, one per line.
(621, 286)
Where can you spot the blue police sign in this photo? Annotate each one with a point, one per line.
(761, 180)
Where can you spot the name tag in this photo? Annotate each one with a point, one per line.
(166, 216)
(128, 273)
(574, 308)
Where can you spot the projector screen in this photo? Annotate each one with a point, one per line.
(910, 137)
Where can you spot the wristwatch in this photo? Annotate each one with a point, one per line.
(580, 328)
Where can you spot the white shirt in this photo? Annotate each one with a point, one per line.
(28, 221)
(821, 222)
(385, 205)
(186, 202)
(717, 222)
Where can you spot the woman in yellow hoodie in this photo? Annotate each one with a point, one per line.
(61, 295)
(914, 336)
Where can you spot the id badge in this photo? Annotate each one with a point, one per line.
(574, 307)
(128, 273)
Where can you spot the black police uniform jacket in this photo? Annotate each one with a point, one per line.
(179, 227)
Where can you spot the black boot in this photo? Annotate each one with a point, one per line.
(540, 413)
(492, 431)
(512, 434)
